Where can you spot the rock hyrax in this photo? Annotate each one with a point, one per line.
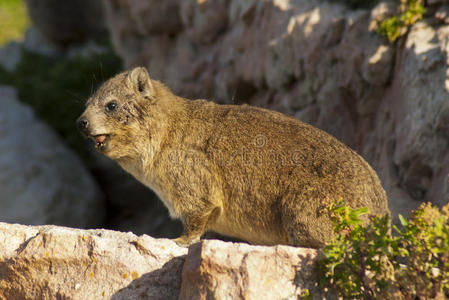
(238, 170)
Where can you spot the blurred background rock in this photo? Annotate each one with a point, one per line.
(65, 22)
(320, 61)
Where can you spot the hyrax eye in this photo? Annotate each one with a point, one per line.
(111, 106)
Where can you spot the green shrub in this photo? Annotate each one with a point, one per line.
(411, 11)
(367, 262)
(425, 239)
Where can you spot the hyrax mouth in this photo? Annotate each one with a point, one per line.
(101, 141)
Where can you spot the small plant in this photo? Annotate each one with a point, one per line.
(396, 26)
(425, 238)
(305, 295)
(367, 262)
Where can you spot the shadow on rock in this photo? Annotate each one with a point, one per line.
(163, 283)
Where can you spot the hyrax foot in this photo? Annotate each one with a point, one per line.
(195, 225)
(184, 241)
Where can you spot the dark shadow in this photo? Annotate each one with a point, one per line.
(244, 90)
(161, 284)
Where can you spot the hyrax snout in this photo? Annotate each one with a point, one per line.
(241, 171)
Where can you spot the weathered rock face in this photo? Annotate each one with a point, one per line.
(320, 62)
(41, 180)
(411, 137)
(221, 270)
(50, 262)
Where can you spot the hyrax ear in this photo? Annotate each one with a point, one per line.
(140, 80)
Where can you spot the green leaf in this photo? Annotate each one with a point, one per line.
(396, 229)
(403, 221)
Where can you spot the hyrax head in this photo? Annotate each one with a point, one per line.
(116, 111)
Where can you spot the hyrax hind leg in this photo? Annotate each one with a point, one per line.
(304, 220)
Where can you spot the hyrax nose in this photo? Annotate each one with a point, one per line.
(82, 124)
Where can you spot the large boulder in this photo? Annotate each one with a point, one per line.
(41, 180)
(50, 262)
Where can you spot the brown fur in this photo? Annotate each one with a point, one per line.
(241, 171)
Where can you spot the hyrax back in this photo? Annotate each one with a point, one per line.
(241, 171)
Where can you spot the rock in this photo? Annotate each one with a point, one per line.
(442, 14)
(63, 23)
(282, 71)
(10, 55)
(403, 203)
(220, 270)
(36, 42)
(241, 10)
(423, 43)
(204, 19)
(41, 180)
(163, 20)
(436, 2)
(51, 262)
(86, 50)
(377, 67)
(422, 146)
(380, 12)
(443, 119)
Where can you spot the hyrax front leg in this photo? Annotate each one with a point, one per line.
(195, 224)
(197, 196)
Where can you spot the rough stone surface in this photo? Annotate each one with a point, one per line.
(323, 63)
(51, 262)
(41, 180)
(421, 155)
(220, 270)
